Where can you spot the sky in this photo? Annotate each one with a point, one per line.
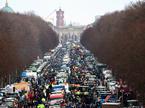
(80, 12)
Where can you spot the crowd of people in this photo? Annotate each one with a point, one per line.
(81, 73)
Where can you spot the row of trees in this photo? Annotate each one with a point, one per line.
(118, 39)
(22, 39)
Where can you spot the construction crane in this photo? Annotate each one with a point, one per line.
(49, 18)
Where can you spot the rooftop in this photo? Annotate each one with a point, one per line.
(7, 8)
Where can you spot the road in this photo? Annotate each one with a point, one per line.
(68, 76)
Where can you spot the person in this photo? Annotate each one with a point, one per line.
(63, 104)
(98, 102)
(30, 98)
(22, 100)
(41, 105)
(68, 105)
(83, 105)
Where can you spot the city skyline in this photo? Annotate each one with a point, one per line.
(75, 11)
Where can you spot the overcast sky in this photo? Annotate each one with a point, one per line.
(75, 11)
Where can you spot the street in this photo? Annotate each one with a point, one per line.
(68, 76)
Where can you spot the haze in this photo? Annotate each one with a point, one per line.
(75, 11)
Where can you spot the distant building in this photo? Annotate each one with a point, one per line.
(59, 18)
(7, 8)
(69, 32)
(65, 32)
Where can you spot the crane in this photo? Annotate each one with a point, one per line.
(48, 18)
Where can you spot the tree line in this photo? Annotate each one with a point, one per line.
(118, 39)
(23, 37)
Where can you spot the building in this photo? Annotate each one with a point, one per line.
(59, 18)
(6, 8)
(67, 32)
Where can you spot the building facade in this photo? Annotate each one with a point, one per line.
(59, 18)
(70, 32)
(65, 33)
